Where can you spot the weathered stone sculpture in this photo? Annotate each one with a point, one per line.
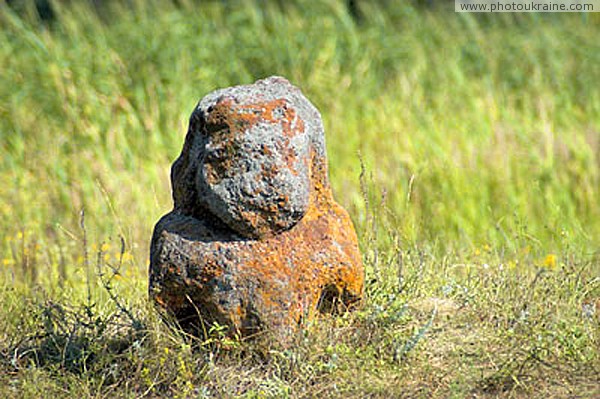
(255, 240)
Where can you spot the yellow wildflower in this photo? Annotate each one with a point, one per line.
(550, 261)
(105, 247)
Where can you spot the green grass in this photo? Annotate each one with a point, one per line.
(466, 148)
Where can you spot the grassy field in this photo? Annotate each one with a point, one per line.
(466, 148)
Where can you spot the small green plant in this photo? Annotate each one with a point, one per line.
(73, 337)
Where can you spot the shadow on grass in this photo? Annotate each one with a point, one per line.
(73, 339)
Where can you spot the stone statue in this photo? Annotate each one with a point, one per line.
(255, 241)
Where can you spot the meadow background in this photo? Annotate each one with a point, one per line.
(466, 148)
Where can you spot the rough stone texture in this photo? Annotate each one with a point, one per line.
(255, 240)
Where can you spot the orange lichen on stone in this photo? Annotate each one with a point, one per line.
(239, 117)
(256, 241)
